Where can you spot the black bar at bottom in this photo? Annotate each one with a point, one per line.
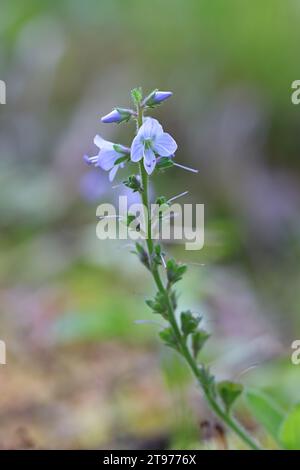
(133, 459)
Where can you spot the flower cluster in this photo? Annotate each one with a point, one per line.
(151, 143)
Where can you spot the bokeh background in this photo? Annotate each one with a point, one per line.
(81, 373)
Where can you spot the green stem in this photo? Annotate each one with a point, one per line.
(228, 420)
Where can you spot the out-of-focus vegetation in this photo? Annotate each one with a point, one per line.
(81, 373)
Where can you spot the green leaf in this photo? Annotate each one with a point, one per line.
(142, 254)
(175, 271)
(169, 338)
(137, 95)
(158, 250)
(207, 379)
(266, 411)
(199, 338)
(131, 218)
(159, 304)
(126, 114)
(173, 299)
(161, 200)
(149, 101)
(289, 433)
(229, 392)
(133, 183)
(165, 163)
(189, 323)
(157, 255)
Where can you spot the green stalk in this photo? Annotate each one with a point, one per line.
(226, 418)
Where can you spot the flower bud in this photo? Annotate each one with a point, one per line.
(117, 115)
(160, 96)
(157, 97)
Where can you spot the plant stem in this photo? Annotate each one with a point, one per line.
(226, 418)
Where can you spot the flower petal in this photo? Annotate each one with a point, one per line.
(102, 143)
(107, 158)
(150, 129)
(136, 149)
(165, 145)
(149, 160)
(113, 172)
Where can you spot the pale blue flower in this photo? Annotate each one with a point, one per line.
(151, 141)
(109, 154)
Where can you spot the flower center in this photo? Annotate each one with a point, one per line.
(148, 144)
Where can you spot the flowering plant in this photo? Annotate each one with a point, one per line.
(152, 149)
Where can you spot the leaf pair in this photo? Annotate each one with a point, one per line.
(175, 271)
(133, 183)
(159, 304)
(169, 339)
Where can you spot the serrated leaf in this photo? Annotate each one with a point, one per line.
(175, 271)
(158, 304)
(199, 338)
(289, 433)
(189, 322)
(229, 392)
(168, 337)
(266, 411)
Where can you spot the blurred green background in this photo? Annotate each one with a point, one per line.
(81, 373)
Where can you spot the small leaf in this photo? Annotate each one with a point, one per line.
(289, 433)
(133, 183)
(120, 149)
(158, 250)
(149, 100)
(189, 323)
(267, 412)
(159, 304)
(136, 227)
(164, 163)
(168, 337)
(175, 271)
(157, 255)
(161, 200)
(229, 392)
(123, 159)
(207, 379)
(173, 299)
(142, 254)
(199, 338)
(137, 95)
(125, 114)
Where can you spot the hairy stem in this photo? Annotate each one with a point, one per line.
(228, 420)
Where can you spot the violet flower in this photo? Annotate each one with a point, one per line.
(150, 141)
(108, 156)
